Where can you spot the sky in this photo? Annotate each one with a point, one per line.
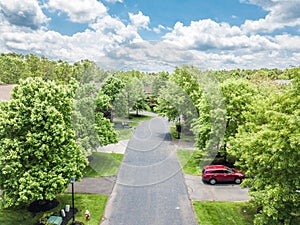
(155, 35)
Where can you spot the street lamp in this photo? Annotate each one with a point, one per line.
(72, 180)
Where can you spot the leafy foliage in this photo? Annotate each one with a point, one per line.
(91, 118)
(173, 102)
(84, 109)
(129, 96)
(140, 104)
(38, 153)
(267, 148)
(14, 67)
(112, 87)
(106, 133)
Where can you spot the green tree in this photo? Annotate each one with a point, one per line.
(12, 68)
(87, 71)
(128, 96)
(267, 149)
(34, 65)
(112, 86)
(183, 89)
(238, 95)
(91, 110)
(38, 153)
(140, 104)
(106, 133)
(158, 82)
(173, 102)
(189, 79)
(84, 110)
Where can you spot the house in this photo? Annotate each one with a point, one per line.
(5, 91)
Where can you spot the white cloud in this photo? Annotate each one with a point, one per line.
(106, 34)
(147, 56)
(208, 35)
(26, 13)
(79, 11)
(281, 14)
(116, 44)
(160, 28)
(288, 42)
(114, 29)
(139, 20)
(221, 46)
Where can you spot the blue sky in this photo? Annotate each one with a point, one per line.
(155, 35)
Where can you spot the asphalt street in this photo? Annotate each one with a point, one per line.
(150, 188)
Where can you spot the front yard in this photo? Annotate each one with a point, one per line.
(220, 213)
(93, 202)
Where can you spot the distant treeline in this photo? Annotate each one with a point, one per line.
(14, 66)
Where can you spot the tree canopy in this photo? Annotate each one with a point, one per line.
(38, 153)
(267, 148)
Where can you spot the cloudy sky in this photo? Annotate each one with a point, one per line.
(155, 35)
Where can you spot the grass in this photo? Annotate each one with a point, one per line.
(93, 202)
(189, 161)
(220, 213)
(192, 161)
(18, 216)
(124, 134)
(103, 164)
(139, 117)
(183, 136)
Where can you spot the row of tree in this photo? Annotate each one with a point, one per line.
(16, 67)
(251, 117)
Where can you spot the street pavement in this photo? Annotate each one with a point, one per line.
(150, 187)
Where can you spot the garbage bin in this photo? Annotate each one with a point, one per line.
(56, 220)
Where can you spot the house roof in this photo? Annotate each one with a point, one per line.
(283, 81)
(5, 91)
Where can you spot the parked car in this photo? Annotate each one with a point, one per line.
(219, 173)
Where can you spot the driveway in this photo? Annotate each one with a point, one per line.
(218, 192)
(101, 185)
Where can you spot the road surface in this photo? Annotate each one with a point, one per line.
(150, 187)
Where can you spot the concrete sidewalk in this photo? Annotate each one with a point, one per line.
(120, 147)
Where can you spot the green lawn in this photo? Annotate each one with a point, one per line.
(17, 216)
(124, 134)
(183, 136)
(103, 164)
(221, 213)
(189, 161)
(94, 203)
(139, 117)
